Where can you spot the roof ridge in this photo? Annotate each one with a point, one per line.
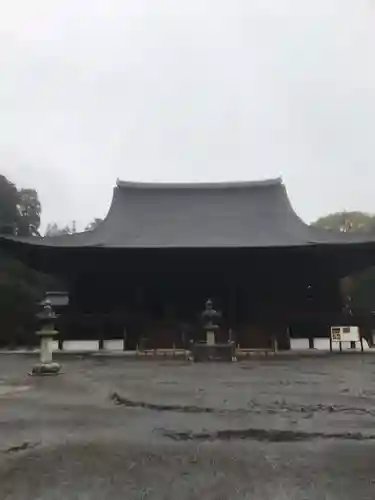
(199, 185)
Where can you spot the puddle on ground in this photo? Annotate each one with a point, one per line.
(6, 390)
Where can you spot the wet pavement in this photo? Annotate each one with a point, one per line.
(289, 427)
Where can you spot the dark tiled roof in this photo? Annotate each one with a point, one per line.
(216, 215)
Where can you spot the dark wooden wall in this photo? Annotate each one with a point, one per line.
(161, 299)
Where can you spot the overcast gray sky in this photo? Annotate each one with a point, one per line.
(190, 90)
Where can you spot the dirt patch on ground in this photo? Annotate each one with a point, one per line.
(252, 407)
(120, 400)
(263, 435)
(21, 447)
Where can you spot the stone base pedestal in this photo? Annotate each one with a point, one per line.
(46, 369)
(46, 365)
(216, 352)
(210, 338)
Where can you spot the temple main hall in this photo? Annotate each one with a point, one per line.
(147, 270)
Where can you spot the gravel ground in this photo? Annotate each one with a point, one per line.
(289, 427)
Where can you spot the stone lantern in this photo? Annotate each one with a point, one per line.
(47, 333)
(211, 319)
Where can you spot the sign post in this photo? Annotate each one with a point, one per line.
(340, 334)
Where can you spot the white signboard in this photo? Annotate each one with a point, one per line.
(345, 334)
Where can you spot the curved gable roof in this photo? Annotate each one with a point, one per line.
(200, 215)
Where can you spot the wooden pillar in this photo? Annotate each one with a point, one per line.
(124, 338)
(274, 344)
(139, 316)
(232, 310)
(100, 328)
(287, 335)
